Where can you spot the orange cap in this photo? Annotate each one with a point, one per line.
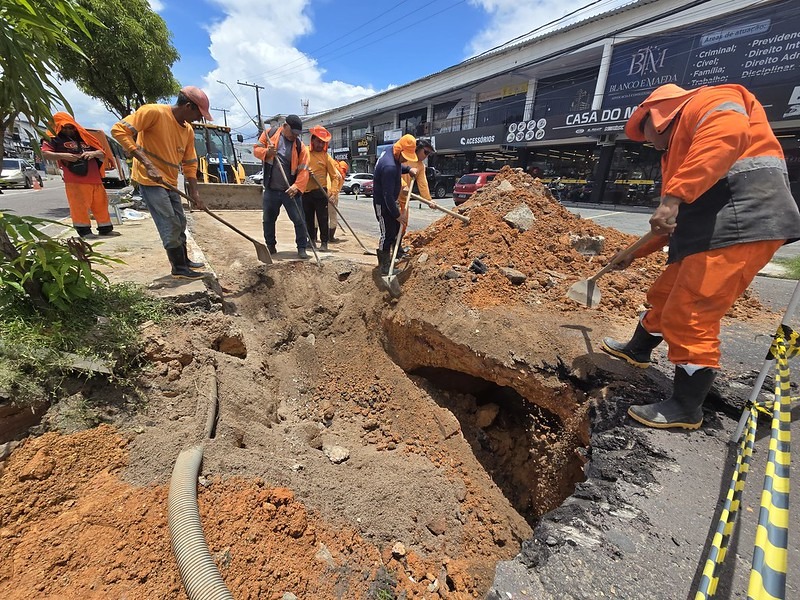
(407, 147)
(663, 105)
(320, 132)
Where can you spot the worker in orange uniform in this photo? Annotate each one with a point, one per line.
(725, 209)
(160, 138)
(282, 184)
(81, 158)
(333, 217)
(326, 173)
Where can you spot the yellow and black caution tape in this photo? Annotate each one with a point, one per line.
(768, 573)
(770, 556)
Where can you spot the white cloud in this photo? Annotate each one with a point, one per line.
(89, 112)
(509, 19)
(248, 46)
(156, 5)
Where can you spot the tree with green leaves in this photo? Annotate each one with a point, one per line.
(29, 31)
(49, 273)
(125, 58)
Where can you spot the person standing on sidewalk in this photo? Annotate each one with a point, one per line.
(386, 195)
(82, 160)
(161, 140)
(326, 172)
(282, 185)
(725, 209)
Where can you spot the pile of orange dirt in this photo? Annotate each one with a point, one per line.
(544, 254)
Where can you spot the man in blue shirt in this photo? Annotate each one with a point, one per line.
(386, 195)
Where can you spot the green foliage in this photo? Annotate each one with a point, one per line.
(29, 31)
(125, 58)
(37, 350)
(59, 271)
(792, 266)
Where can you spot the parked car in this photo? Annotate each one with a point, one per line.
(366, 187)
(18, 171)
(256, 178)
(354, 182)
(439, 183)
(469, 184)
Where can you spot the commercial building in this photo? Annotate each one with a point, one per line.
(555, 104)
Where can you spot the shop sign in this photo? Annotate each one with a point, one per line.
(363, 146)
(758, 48)
(341, 153)
(471, 139)
(392, 135)
(587, 123)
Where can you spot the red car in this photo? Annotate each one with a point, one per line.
(468, 184)
(366, 187)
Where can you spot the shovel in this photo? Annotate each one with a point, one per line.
(586, 291)
(261, 250)
(341, 216)
(433, 204)
(390, 280)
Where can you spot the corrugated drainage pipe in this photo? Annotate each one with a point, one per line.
(198, 570)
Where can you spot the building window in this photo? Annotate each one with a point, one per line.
(501, 111)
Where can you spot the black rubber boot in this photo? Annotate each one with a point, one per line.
(84, 231)
(272, 248)
(684, 409)
(190, 263)
(301, 253)
(179, 268)
(384, 258)
(635, 352)
(323, 247)
(107, 231)
(332, 235)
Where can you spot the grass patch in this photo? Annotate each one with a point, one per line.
(35, 346)
(792, 266)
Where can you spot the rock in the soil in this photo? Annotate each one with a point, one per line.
(588, 245)
(437, 526)
(336, 454)
(479, 267)
(514, 276)
(506, 186)
(324, 555)
(486, 415)
(398, 550)
(521, 217)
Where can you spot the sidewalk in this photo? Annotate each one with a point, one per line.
(145, 261)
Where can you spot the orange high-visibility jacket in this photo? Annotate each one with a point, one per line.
(726, 165)
(300, 158)
(326, 170)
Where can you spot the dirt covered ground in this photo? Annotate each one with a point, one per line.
(366, 447)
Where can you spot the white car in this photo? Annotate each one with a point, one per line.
(19, 172)
(256, 178)
(354, 182)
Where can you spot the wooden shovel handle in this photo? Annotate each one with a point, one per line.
(441, 208)
(622, 255)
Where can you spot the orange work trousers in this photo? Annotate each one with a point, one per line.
(85, 197)
(690, 298)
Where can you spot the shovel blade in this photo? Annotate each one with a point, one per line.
(585, 292)
(392, 285)
(263, 253)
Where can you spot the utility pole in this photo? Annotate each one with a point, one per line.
(224, 112)
(258, 102)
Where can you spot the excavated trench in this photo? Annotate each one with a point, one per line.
(522, 446)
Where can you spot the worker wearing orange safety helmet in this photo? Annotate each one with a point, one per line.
(725, 209)
(325, 172)
(81, 157)
(333, 216)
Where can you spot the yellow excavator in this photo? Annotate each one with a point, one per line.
(218, 167)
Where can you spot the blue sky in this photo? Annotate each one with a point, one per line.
(328, 52)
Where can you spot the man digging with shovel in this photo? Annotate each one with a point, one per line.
(386, 195)
(725, 209)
